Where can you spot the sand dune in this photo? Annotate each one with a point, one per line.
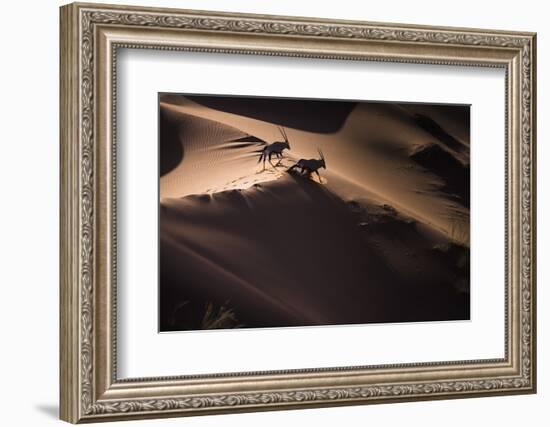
(291, 253)
(372, 149)
(382, 238)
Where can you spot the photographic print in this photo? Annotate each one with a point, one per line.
(278, 212)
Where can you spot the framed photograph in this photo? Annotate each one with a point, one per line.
(265, 212)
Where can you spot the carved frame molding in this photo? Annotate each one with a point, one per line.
(90, 37)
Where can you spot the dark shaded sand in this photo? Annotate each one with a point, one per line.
(291, 252)
(172, 152)
(454, 175)
(305, 114)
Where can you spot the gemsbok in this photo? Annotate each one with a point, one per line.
(309, 166)
(275, 149)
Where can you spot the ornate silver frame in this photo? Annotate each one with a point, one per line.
(90, 36)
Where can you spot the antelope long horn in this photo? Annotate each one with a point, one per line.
(283, 133)
(320, 153)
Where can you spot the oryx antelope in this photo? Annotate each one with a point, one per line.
(274, 149)
(309, 166)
